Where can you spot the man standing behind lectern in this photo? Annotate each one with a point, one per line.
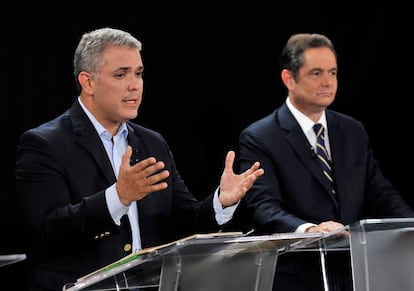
(80, 175)
(296, 193)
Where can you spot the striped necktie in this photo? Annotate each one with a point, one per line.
(322, 154)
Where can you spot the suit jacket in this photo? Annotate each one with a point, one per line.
(293, 191)
(62, 171)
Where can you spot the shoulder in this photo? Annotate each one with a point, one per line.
(346, 125)
(49, 129)
(262, 123)
(340, 119)
(144, 132)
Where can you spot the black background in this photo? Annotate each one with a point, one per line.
(210, 70)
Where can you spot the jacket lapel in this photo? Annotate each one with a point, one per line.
(88, 138)
(336, 138)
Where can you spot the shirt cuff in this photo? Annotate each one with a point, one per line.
(115, 206)
(303, 227)
(222, 215)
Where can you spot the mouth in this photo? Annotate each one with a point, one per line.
(131, 100)
(325, 94)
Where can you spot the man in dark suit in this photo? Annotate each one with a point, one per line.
(294, 194)
(94, 186)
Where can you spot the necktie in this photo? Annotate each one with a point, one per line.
(322, 154)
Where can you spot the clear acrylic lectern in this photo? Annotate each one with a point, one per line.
(11, 259)
(201, 262)
(381, 250)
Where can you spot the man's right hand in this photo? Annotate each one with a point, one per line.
(137, 181)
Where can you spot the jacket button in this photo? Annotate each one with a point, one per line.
(127, 247)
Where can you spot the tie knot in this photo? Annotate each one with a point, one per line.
(318, 129)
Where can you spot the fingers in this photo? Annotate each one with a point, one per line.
(147, 167)
(228, 166)
(154, 179)
(126, 157)
(148, 174)
(250, 181)
(252, 174)
(137, 181)
(235, 186)
(256, 170)
(328, 226)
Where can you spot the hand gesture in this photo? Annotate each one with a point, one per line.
(137, 181)
(233, 187)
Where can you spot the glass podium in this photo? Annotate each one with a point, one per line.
(11, 259)
(201, 262)
(381, 250)
(381, 253)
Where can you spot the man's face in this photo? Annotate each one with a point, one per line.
(317, 83)
(117, 91)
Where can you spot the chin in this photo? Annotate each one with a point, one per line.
(327, 101)
(131, 114)
(132, 117)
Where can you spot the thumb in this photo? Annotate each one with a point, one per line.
(228, 167)
(126, 157)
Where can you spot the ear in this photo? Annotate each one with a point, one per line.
(287, 78)
(87, 82)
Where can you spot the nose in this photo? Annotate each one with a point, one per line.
(135, 84)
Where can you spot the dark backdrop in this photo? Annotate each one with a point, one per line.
(210, 70)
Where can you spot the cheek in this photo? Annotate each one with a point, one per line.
(305, 89)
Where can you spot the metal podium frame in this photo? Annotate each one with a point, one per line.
(200, 262)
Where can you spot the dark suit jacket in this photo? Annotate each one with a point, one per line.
(62, 171)
(293, 191)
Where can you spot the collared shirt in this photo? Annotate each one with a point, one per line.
(307, 126)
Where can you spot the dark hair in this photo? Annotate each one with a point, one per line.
(291, 57)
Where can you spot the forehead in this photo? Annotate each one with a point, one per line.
(121, 56)
(321, 57)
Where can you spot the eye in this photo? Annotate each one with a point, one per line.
(316, 73)
(120, 75)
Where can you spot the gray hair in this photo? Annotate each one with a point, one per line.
(88, 54)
